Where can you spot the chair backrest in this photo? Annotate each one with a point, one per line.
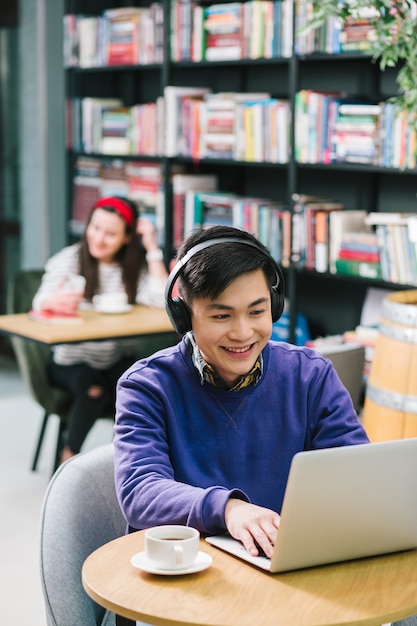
(22, 290)
(80, 512)
(31, 356)
(348, 360)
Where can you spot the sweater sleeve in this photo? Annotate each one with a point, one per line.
(148, 491)
(57, 267)
(333, 419)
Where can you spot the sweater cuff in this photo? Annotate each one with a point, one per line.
(214, 507)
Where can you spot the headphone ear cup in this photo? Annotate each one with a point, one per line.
(277, 303)
(278, 295)
(179, 315)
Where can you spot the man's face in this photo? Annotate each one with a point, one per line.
(232, 330)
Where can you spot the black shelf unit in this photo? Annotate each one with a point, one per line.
(332, 303)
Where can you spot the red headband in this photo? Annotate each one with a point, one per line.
(120, 206)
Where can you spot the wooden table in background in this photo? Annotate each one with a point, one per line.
(141, 320)
(368, 592)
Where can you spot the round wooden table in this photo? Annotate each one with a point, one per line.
(232, 593)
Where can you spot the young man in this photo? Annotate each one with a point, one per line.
(206, 430)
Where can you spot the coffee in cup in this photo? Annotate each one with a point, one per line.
(172, 547)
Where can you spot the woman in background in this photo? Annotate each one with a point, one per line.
(112, 258)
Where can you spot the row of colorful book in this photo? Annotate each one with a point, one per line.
(198, 203)
(119, 36)
(318, 234)
(326, 237)
(315, 233)
(134, 35)
(229, 125)
(330, 128)
(334, 36)
(193, 122)
(231, 31)
(106, 126)
(337, 37)
(187, 122)
(322, 233)
(396, 235)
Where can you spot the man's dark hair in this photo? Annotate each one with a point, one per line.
(211, 270)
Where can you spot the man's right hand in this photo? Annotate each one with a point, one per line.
(252, 525)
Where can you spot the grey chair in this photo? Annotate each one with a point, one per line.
(80, 513)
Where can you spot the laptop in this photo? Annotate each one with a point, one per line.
(342, 504)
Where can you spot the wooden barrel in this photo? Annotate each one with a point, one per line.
(390, 410)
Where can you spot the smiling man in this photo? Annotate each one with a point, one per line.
(206, 430)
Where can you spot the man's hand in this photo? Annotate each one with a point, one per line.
(253, 525)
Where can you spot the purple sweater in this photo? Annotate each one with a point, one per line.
(182, 448)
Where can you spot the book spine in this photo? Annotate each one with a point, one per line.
(321, 262)
(359, 268)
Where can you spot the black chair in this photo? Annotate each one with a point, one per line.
(32, 358)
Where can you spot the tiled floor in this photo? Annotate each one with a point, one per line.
(21, 494)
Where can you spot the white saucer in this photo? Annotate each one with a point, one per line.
(124, 309)
(141, 561)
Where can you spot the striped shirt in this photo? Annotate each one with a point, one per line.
(97, 354)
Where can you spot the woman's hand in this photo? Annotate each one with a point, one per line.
(146, 230)
(154, 256)
(63, 301)
(253, 525)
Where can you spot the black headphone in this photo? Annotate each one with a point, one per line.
(178, 311)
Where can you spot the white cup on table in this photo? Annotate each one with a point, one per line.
(110, 302)
(172, 547)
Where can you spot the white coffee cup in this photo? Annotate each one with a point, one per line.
(172, 547)
(115, 301)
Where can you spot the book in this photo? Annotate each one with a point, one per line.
(223, 132)
(181, 183)
(321, 247)
(199, 203)
(49, 317)
(373, 218)
(306, 209)
(340, 222)
(87, 189)
(87, 28)
(358, 255)
(91, 121)
(365, 269)
(317, 233)
(113, 178)
(144, 129)
(223, 47)
(115, 131)
(173, 97)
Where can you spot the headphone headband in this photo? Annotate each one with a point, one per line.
(176, 307)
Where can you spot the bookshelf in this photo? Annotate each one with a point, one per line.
(331, 302)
